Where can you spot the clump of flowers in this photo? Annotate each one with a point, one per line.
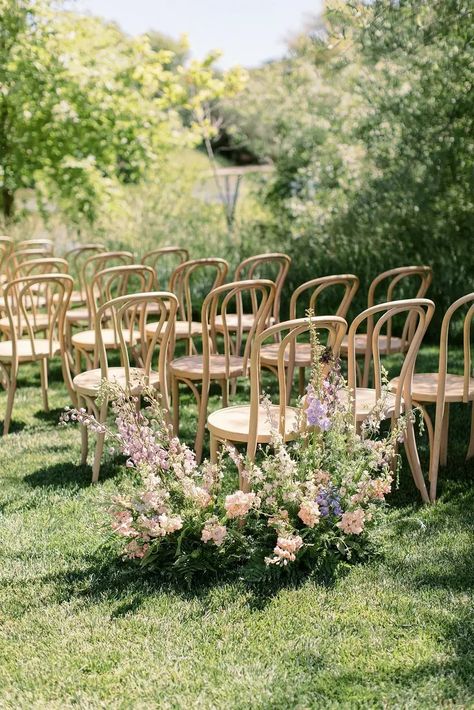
(301, 506)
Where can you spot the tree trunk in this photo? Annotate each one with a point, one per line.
(8, 203)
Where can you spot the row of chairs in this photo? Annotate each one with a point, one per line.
(239, 329)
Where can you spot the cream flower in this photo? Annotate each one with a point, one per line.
(212, 530)
(309, 513)
(238, 504)
(352, 522)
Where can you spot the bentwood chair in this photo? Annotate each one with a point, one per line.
(6, 248)
(338, 292)
(129, 315)
(443, 388)
(366, 400)
(164, 260)
(396, 284)
(23, 347)
(107, 285)
(76, 257)
(225, 355)
(46, 245)
(34, 267)
(191, 281)
(252, 423)
(272, 266)
(82, 317)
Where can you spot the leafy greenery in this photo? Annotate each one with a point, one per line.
(78, 629)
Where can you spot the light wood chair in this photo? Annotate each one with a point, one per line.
(46, 245)
(396, 284)
(338, 287)
(34, 267)
(106, 285)
(225, 355)
(188, 280)
(273, 266)
(6, 248)
(249, 423)
(365, 399)
(76, 257)
(22, 348)
(443, 388)
(129, 315)
(164, 260)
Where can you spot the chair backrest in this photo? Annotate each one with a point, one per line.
(97, 262)
(401, 283)
(76, 257)
(272, 265)
(129, 314)
(287, 332)
(6, 248)
(117, 281)
(24, 308)
(468, 390)
(46, 245)
(421, 311)
(46, 265)
(329, 285)
(17, 257)
(222, 301)
(164, 260)
(203, 275)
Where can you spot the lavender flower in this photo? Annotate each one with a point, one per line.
(316, 411)
(329, 503)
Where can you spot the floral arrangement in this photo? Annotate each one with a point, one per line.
(304, 507)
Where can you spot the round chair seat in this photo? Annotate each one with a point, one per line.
(77, 297)
(88, 382)
(24, 349)
(191, 367)
(232, 321)
(366, 399)
(397, 345)
(38, 322)
(182, 329)
(269, 355)
(77, 314)
(233, 423)
(85, 340)
(425, 387)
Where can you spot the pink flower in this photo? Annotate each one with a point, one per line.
(135, 551)
(212, 530)
(352, 522)
(169, 524)
(122, 523)
(285, 550)
(238, 504)
(309, 513)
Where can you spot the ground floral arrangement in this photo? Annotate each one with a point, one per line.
(310, 506)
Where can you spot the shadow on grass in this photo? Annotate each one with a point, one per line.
(67, 475)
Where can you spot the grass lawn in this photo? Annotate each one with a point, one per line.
(78, 628)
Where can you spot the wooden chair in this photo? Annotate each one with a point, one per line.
(223, 358)
(107, 285)
(274, 266)
(162, 258)
(341, 287)
(188, 280)
(249, 423)
(76, 257)
(82, 316)
(46, 245)
(34, 267)
(419, 311)
(443, 388)
(402, 282)
(129, 315)
(21, 348)
(6, 248)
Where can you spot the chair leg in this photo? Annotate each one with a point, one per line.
(99, 447)
(214, 448)
(84, 437)
(470, 451)
(443, 454)
(11, 389)
(436, 455)
(201, 427)
(44, 383)
(414, 461)
(225, 392)
(301, 381)
(175, 404)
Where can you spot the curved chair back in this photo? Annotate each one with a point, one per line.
(6, 248)
(25, 316)
(222, 301)
(196, 273)
(46, 265)
(164, 260)
(330, 286)
(420, 310)
(272, 265)
(46, 245)
(129, 313)
(16, 258)
(76, 257)
(287, 333)
(95, 263)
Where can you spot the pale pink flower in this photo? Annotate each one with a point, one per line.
(169, 523)
(352, 522)
(122, 523)
(239, 503)
(136, 551)
(309, 513)
(285, 550)
(212, 530)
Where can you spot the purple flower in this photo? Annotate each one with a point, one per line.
(329, 503)
(316, 411)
